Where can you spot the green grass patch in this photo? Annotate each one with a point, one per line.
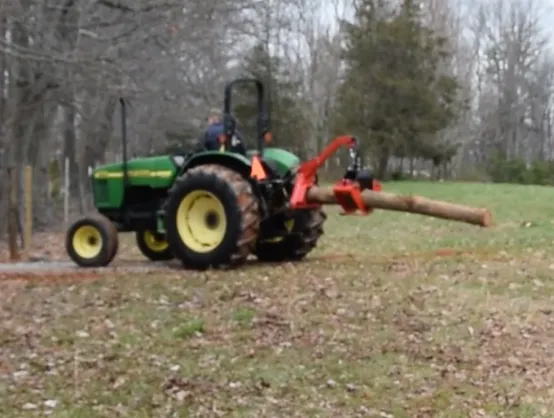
(383, 319)
(191, 328)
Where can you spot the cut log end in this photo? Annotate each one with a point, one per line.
(487, 219)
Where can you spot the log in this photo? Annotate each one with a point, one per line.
(412, 204)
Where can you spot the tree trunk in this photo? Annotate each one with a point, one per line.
(383, 162)
(70, 147)
(411, 204)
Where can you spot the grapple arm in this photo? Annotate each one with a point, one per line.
(347, 191)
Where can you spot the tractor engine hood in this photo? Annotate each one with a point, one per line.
(159, 167)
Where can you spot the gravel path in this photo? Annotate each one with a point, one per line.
(61, 268)
(68, 267)
(37, 266)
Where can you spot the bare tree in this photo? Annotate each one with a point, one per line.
(514, 46)
(67, 63)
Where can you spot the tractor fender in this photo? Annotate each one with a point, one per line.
(235, 162)
(284, 160)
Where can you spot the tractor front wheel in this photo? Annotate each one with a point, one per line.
(153, 246)
(92, 241)
(211, 218)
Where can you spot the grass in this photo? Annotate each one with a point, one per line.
(378, 323)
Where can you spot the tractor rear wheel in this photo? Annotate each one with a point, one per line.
(153, 246)
(211, 218)
(304, 230)
(92, 241)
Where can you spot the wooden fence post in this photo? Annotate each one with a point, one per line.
(28, 223)
(12, 216)
(67, 185)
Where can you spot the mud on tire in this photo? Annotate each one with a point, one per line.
(307, 229)
(241, 212)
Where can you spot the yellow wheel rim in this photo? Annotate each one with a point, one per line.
(154, 243)
(87, 241)
(201, 221)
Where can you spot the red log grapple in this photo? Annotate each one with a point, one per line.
(347, 190)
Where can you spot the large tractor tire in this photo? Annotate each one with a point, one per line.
(92, 241)
(153, 246)
(211, 218)
(303, 232)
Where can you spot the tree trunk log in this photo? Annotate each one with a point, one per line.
(411, 204)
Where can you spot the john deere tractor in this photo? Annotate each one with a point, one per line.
(206, 209)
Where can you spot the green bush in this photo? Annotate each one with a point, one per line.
(517, 171)
(474, 175)
(398, 175)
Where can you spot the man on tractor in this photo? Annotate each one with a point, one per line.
(214, 133)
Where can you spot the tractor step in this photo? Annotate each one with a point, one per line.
(160, 221)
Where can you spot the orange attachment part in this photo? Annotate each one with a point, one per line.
(257, 170)
(349, 197)
(376, 186)
(306, 173)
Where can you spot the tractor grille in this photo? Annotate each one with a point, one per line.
(101, 191)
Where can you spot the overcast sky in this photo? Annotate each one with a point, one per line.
(549, 16)
(544, 7)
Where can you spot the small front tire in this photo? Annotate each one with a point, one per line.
(152, 246)
(92, 241)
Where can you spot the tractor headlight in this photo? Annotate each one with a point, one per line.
(178, 160)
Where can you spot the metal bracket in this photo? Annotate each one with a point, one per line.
(349, 197)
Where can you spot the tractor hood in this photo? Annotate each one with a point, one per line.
(159, 167)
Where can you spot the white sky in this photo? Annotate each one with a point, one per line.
(545, 7)
(548, 17)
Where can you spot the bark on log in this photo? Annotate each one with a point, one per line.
(411, 204)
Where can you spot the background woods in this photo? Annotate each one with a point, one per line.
(432, 88)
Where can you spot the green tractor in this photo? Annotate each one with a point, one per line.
(206, 209)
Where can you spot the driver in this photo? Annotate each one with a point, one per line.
(214, 130)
